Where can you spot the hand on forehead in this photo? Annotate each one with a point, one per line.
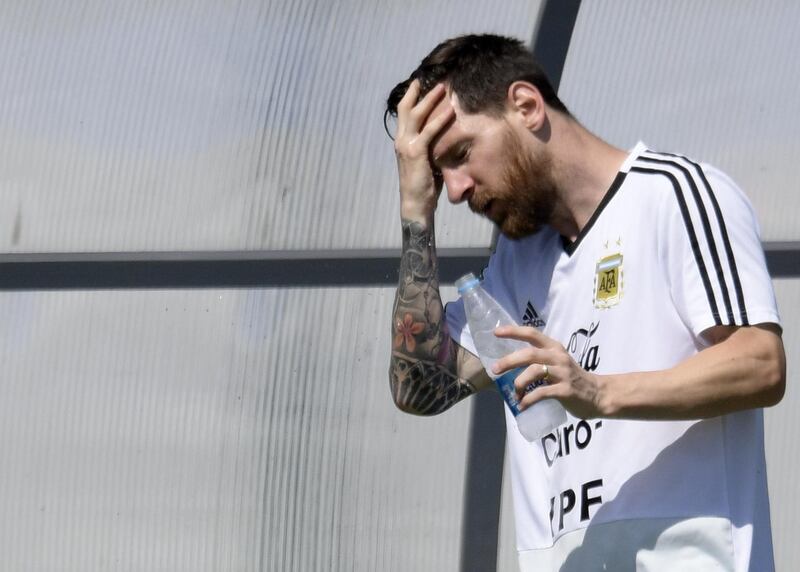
(446, 103)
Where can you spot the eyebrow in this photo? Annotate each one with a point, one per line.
(449, 155)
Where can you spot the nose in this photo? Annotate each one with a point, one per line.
(459, 185)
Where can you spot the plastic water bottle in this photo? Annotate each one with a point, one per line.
(484, 315)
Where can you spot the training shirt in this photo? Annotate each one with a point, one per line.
(672, 249)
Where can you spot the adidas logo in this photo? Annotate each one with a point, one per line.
(531, 317)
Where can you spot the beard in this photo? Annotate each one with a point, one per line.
(524, 201)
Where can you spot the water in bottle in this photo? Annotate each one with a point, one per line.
(484, 315)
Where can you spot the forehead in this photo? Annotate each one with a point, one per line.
(463, 126)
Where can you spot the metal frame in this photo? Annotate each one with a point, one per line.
(259, 269)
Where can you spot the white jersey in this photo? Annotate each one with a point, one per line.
(672, 250)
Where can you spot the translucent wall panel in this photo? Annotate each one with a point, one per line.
(205, 125)
(714, 79)
(219, 431)
(783, 433)
(506, 536)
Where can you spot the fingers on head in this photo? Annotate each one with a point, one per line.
(410, 98)
(435, 125)
(427, 104)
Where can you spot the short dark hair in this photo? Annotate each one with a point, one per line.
(478, 68)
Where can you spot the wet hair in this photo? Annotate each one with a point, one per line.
(478, 69)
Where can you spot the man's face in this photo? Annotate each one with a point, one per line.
(485, 162)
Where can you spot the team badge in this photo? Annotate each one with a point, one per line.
(608, 280)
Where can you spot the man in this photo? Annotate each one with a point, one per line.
(647, 306)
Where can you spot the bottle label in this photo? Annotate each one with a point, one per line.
(505, 383)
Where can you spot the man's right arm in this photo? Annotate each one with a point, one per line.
(429, 372)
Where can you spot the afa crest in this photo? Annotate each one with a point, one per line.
(608, 281)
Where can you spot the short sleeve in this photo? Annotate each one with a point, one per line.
(710, 241)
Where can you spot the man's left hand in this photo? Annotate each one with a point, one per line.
(579, 391)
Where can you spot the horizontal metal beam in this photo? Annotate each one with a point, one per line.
(783, 259)
(259, 269)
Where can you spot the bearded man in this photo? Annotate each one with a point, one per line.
(655, 320)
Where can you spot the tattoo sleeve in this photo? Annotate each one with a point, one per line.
(424, 371)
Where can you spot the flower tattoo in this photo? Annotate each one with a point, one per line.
(406, 330)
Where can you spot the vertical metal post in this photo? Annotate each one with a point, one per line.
(553, 35)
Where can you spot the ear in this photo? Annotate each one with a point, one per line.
(526, 101)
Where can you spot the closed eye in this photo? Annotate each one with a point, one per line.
(462, 154)
(455, 155)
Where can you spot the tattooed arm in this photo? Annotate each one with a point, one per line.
(429, 372)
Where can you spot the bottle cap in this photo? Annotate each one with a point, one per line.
(467, 282)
